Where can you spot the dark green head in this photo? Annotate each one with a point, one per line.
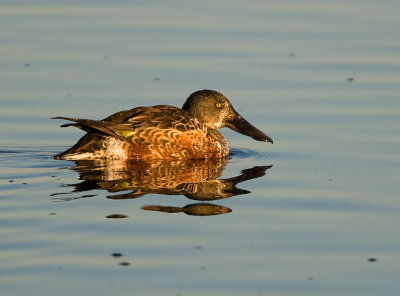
(215, 111)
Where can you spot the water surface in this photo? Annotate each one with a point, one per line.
(321, 78)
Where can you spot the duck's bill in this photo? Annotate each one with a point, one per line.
(241, 125)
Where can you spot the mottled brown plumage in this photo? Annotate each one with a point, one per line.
(162, 132)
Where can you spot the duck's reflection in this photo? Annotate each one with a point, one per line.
(195, 179)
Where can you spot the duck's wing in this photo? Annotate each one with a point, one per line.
(161, 116)
(115, 130)
(124, 124)
(156, 117)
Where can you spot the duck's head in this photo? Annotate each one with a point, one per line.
(215, 111)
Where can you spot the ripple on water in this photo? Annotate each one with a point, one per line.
(248, 154)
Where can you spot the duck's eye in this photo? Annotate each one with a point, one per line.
(218, 105)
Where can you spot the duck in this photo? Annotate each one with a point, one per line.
(162, 131)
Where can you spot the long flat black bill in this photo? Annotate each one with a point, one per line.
(241, 125)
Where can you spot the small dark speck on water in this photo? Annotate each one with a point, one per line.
(27, 64)
(124, 263)
(52, 214)
(117, 255)
(157, 79)
(371, 259)
(292, 54)
(350, 79)
(11, 181)
(116, 216)
(198, 247)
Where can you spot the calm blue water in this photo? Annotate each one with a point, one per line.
(321, 78)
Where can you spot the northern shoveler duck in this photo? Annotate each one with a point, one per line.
(162, 132)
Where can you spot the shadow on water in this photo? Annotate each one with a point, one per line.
(197, 180)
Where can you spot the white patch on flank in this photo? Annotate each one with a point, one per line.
(86, 155)
(113, 149)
